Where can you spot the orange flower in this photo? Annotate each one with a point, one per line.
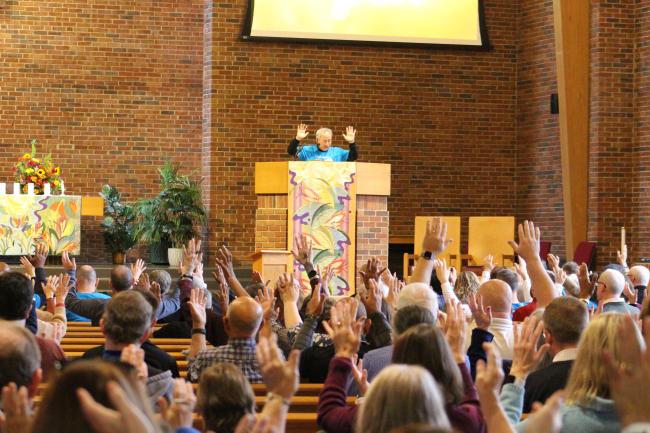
(56, 171)
(27, 156)
(33, 178)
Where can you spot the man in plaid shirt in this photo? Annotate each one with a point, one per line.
(241, 322)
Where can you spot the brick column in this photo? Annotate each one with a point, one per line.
(271, 222)
(372, 231)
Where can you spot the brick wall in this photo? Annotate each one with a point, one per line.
(111, 89)
(444, 119)
(538, 167)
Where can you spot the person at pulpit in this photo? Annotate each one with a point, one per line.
(323, 149)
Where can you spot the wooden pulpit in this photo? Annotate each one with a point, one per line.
(341, 207)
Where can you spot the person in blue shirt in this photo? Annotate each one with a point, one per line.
(323, 149)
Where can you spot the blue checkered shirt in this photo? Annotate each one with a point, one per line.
(238, 351)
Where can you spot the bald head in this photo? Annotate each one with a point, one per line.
(498, 295)
(121, 278)
(4, 267)
(86, 279)
(610, 284)
(640, 275)
(243, 318)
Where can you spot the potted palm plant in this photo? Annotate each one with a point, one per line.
(118, 225)
(175, 215)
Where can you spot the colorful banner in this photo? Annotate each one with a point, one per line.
(322, 205)
(29, 219)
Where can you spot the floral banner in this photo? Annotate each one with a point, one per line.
(29, 219)
(322, 205)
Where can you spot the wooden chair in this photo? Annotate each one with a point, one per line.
(490, 235)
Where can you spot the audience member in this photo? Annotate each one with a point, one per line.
(20, 359)
(609, 289)
(87, 283)
(640, 276)
(467, 284)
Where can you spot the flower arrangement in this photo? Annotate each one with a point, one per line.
(31, 169)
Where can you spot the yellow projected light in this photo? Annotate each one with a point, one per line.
(454, 22)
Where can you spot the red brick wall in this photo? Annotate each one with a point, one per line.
(111, 89)
(539, 171)
(444, 119)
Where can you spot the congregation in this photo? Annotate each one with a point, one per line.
(542, 347)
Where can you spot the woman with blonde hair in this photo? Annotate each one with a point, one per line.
(466, 285)
(402, 395)
(589, 407)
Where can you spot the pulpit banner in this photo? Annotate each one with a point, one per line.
(322, 199)
(28, 219)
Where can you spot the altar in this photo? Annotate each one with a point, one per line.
(51, 219)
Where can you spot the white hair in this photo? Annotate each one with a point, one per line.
(419, 294)
(324, 131)
(641, 275)
(613, 280)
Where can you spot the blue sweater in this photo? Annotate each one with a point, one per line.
(597, 416)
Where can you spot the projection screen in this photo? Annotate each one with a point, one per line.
(419, 22)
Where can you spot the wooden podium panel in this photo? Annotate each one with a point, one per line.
(272, 263)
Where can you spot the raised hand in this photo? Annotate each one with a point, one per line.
(350, 134)
(223, 291)
(621, 256)
(51, 283)
(456, 330)
(522, 269)
(489, 377)
(629, 293)
(442, 271)
(529, 237)
(29, 268)
(395, 287)
(343, 329)
(70, 264)
(435, 237)
(281, 377)
(134, 355)
(155, 288)
(482, 316)
(586, 285)
(316, 303)
(553, 261)
(40, 255)
(629, 376)
(374, 270)
(197, 308)
(526, 355)
(191, 257)
(223, 260)
(289, 292)
(372, 301)
(302, 253)
(560, 275)
(488, 263)
(326, 278)
(360, 375)
(126, 419)
(179, 414)
(546, 418)
(258, 278)
(63, 288)
(302, 132)
(266, 298)
(16, 414)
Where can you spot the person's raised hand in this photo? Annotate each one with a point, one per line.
(372, 301)
(528, 246)
(126, 419)
(360, 375)
(526, 355)
(553, 261)
(40, 255)
(281, 377)
(621, 256)
(343, 329)
(289, 292)
(68, 264)
(266, 298)
(560, 275)
(316, 303)
(134, 356)
(442, 271)
(178, 414)
(456, 330)
(29, 268)
(223, 260)
(489, 376)
(435, 237)
(586, 285)
(326, 278)
(521, 268)
(546, 418)
(197, 308)
(482, 316)
(629, 293)
(258, 278)
(302, 253)
(395, 287)
(51, 283)
(629, 376)
(144, 282)
(350, 134)
(302, 132)
(16, 413)
(198, 270)
(156, 290)
(63, 288)
(223, 291)
(488, 263)
(190, 261)
(453, 275)
(374, 270)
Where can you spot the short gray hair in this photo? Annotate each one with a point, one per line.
(163, 279)
(419, 294)
(323, 131)
(20, 356)
(127, 318)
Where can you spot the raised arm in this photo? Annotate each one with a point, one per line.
(301, 133)
(223, 260)
(435, 241)
(349, 136)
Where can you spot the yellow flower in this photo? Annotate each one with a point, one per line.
(56, 183)
(41, 173)
(27, 156)
(36, 160)
(29, 171)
